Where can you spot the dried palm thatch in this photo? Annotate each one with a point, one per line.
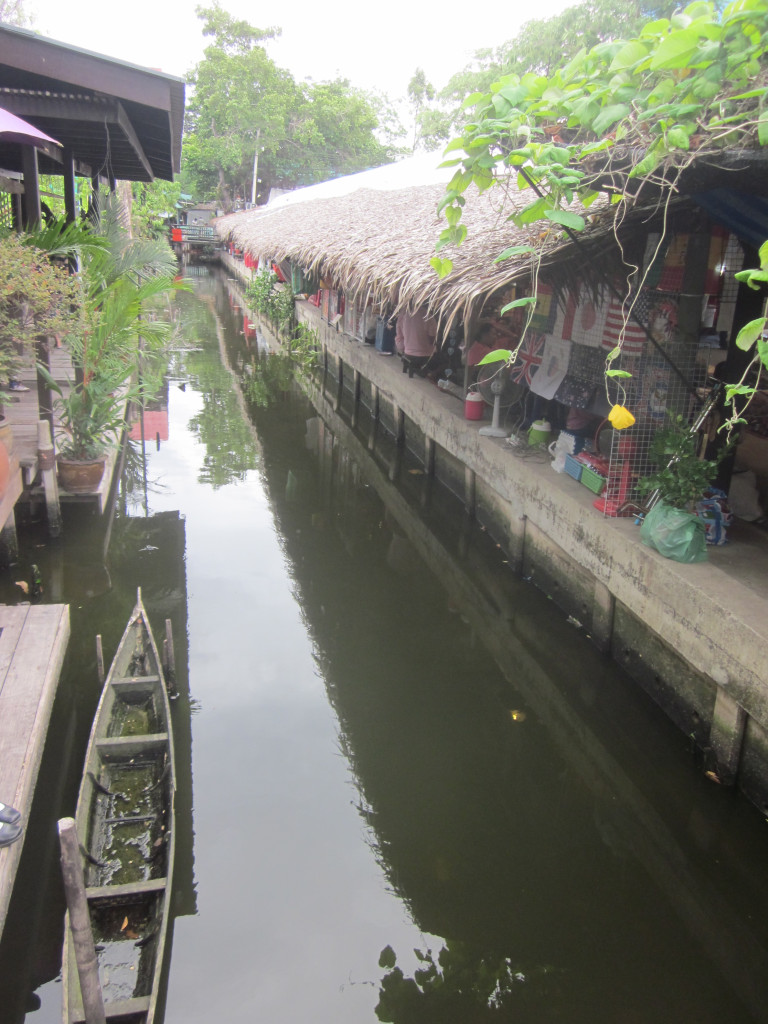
(378, 244)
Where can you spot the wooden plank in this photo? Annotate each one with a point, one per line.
(26, 700)
(28, 691)
(123, 1008)
(119, 744)
(12, 619)
(131, 682)
(151, 886)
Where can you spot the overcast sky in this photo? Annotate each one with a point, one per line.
(375, 46)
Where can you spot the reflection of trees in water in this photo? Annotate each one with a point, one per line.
(231, 450)
(266, 377)
(230, 446)
(458, 984)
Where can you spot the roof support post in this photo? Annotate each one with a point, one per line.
(31, 214)
(94, 213)
(70, 200)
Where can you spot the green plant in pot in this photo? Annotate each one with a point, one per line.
(680, 479)
(122, 282)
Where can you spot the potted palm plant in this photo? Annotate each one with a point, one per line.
(120, 283)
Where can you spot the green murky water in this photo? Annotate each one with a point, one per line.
(404, 779)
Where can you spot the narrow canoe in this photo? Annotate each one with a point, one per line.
(124, 820)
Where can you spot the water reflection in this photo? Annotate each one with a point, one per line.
(563, 842)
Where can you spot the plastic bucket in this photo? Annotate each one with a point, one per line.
(473, 406)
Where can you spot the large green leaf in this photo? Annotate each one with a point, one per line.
(566, 218)
(629, 55)
(608, 117)
(514, 250)
(676, 50)
(749, 334)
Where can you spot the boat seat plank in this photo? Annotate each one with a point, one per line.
(133, 680)
(152, 885)
(114, 744)
(121, 1008)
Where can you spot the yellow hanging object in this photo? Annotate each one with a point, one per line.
(620, 418)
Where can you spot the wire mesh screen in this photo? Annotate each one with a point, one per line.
(672, 368)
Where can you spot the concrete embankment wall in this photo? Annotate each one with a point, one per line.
(694, 636)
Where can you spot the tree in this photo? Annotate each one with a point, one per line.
(540, 46)
(243, 104)
(153, 203)
(13, 12)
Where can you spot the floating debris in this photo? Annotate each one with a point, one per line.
(517, 716)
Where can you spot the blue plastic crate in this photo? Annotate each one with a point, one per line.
(573, 468)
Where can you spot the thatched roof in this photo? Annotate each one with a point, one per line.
(379, 243)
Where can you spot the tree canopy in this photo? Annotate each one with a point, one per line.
(243, 104)
(541, 45)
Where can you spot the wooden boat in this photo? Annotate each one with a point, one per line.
(124, 823)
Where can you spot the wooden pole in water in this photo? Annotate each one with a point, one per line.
(80, 923)
(100, 659)
(47, 462)
(169, 659)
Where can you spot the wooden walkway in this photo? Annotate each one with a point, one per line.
(33, 640)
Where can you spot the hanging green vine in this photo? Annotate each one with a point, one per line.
(625, 118)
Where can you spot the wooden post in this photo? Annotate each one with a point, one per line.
(47, 463)
(429, 456)
(31, 208)
(356, 378)
(9, 543)
(399, 427)
(726, 736)
(374, 417)
(100, 660)
(80, 923)
(169, 659)
(70, 194)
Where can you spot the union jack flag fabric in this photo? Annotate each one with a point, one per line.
(528, 359)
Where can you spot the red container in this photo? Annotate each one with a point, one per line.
(473, 406)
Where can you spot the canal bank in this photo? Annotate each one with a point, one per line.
(693, 636)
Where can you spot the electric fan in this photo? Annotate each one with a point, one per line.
(500, 392)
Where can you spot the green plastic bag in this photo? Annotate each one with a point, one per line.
(675, 534)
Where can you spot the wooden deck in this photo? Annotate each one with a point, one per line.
(33, 640)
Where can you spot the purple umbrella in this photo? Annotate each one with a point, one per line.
(14, 129)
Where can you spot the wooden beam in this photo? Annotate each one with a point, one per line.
(97, 111)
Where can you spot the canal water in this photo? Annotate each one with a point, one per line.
(409, 788)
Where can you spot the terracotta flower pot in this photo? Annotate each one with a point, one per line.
(80, 477)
